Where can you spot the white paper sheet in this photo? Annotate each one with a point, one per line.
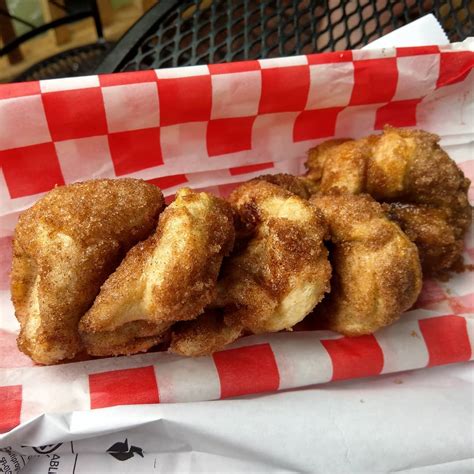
(418, 421)
(423, 32)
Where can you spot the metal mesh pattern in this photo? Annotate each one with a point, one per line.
(71, 63)
(207, 31)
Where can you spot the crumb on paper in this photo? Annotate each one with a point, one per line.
(414, 334)
(398, 381)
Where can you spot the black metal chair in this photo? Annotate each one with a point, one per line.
(73, 62)
(74, 11)
(188, 32)
(79, 61)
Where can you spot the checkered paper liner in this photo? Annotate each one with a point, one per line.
(210, 127)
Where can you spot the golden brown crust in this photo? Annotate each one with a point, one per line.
(339, 165)
(65, 246)
(205, 335)
(435, 231)
(376, 269)
(169, 277)
(294, 184)
(131, 338)
(403, 167)
(274, 277)
(319, 158)
(283, 271)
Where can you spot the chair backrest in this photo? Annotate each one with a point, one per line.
(74, 11)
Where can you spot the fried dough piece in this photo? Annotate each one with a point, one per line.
(284, 271)
(376, 268)
(294, 184)
(404, 167)
(440, 243)
(205, 335)
(274, 279)
(65, 247)
(170, 277)
(321, 163)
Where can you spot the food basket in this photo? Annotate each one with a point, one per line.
(210, 128)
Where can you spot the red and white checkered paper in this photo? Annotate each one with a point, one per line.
(210, 127)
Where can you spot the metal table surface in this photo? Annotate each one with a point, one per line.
(182, 33)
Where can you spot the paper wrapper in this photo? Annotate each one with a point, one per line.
(210, 127)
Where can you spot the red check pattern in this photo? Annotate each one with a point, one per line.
(10, 407)
(151, 121)
(447, 339)
(123, 387)
(211, 127)
(354, 357)
(247, 370)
